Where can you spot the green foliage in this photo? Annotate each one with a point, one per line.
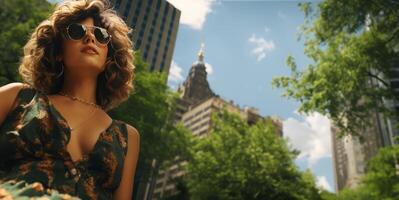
(353, 45)
(149, 109)
(18, 19)
(24, 191)
(238, 161)
(382, 178)
(381, 181)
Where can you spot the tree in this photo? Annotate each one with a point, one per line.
(150, 109)
(354, 46)
(18, 19)
(238, 161)
(382, 178)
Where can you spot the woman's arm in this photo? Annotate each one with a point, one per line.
(8, 94)
(125, 189)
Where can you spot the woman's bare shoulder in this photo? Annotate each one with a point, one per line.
(133, 134)
(8, 93)
(132, 130)
(12, 87)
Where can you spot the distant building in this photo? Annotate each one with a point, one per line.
(351, 155)
(155, 24)
(196, 106)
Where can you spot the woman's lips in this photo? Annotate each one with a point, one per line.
(89, 51)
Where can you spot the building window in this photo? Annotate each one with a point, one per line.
(162, 65)
(117, 4)
(395, 84)
(134, 20)
(158, 4)
(127, 8)
(173, 14)
(138, 43)
(165, 11)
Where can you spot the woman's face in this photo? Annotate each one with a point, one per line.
(85, 56)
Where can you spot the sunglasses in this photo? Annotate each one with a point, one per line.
(78, 31)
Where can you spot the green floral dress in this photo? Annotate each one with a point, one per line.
(33, 140)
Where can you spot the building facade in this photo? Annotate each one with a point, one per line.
(155, 25)
(351, 153)
(197, 104)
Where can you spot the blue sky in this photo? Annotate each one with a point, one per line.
(246, 45)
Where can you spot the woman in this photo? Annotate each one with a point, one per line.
(54, 128)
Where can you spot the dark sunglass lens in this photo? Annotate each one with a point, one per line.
(76, 31)
(102, 35)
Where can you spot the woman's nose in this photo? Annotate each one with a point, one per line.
(89, 37)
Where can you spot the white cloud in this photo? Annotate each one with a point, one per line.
(193, 12)
(323, 183)
(262, 46)
(175, 72)
(208, 68)
(311, 136)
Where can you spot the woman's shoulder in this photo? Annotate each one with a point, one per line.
(132, 135)
(11, 92)
(131, 130)
(13, 89)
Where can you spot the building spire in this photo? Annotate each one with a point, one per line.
(201, 53)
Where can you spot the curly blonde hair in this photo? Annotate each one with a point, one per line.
(40, 68)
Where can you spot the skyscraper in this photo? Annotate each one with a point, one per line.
(155, 24)
(351, 154)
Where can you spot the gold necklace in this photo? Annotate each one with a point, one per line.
(93, 105)
(80, 100)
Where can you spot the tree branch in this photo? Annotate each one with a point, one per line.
(393, 36)
(378, 78)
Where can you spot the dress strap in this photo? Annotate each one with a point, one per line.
(25, 95)
(123, 140)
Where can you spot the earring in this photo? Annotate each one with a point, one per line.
(62, 71)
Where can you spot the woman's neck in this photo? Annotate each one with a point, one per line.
(81, 87)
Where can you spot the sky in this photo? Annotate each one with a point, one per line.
(246, 45)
